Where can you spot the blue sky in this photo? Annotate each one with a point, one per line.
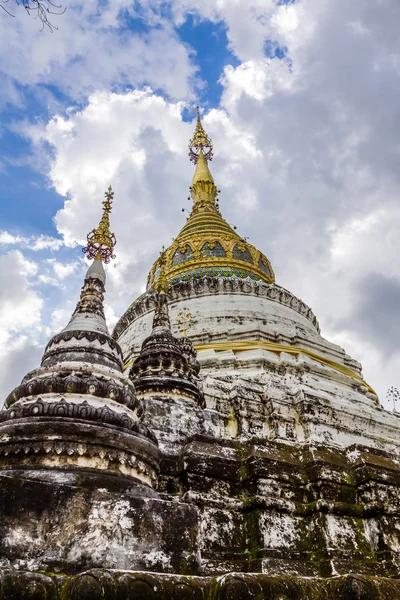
(30, 201)
(306, 155)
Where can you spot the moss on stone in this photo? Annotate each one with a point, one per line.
(100, 584)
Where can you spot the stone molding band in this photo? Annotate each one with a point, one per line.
(111, 585)
(82, 411)
(79, 449)
(164, 385)
(216, 285)
(77, 383)
(278, 348)
(90, 336)
(91, 354)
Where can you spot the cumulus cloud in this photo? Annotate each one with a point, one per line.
(93, 49)
(140, 141)
(62, 270)
(35, 243)
(23, 355)
(45, 242)
(249, 24)
(7, 239)
(20, 318)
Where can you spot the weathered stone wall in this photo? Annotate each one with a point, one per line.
(223, 507)
(278, 509)
(66, 528)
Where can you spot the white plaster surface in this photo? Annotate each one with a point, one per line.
(273, 395)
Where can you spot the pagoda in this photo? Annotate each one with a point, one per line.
(214, 447)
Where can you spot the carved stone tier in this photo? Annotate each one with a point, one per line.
(225, 310)
(88, 346)
(77, 409)
(163, 367)
(44, 440)
(73, 381)
(166, 365)
(77, 417)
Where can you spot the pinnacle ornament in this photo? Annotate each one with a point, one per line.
(100, 241)
(200, 143)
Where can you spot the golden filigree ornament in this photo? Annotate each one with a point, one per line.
(161, 285)
(184, 321)
(200, 142)
(100, 241)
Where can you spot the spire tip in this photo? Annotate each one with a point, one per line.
(100, 241)
(200, 142)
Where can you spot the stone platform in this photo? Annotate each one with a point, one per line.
(101, 584)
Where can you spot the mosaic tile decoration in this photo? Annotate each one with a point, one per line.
(214, 271)
(244, 255)
(264, 267)
(212, 250)
(181, 257)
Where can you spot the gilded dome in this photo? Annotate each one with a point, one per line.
(207, 245)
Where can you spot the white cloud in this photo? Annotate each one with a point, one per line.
(46, 280)
(35, 243)
(45, 242)
(260, 79)
(111, 317)
(20, 317)
(23, 354)
(140, 142)
(248, 23)
(19, 305)
(7, 239)
(60, 317)
(62, 270)
(92, 49)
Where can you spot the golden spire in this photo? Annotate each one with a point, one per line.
(100, 241)
(202, 172)
(206, 246)
(202, 190)
(200, 143)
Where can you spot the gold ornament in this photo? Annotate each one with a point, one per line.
(161, 285)
(100, 241)
(200, 143)
(205, 226)
(184, 321)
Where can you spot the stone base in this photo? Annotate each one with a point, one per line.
(67, 529)
(100, 584)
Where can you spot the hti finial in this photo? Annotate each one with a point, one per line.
(161, 285)
(161, 315)
(100, 241)
(200, 142)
